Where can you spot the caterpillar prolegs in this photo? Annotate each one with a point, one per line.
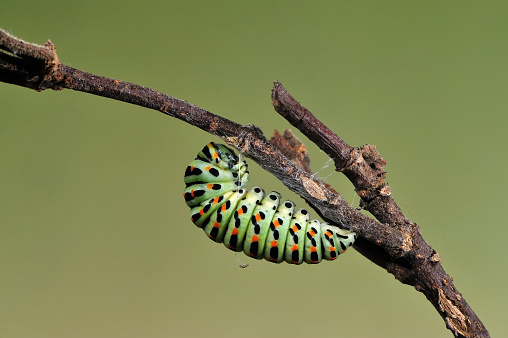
(250, 221)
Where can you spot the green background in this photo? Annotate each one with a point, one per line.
(95, 238)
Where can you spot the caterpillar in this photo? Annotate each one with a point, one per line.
(251, 221)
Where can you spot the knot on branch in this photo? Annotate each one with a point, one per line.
(51, 72)
(373, 158)
(29, 65)
(370, 165)
(291, 147)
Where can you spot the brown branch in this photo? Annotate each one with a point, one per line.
(364, 167)
(394, 243)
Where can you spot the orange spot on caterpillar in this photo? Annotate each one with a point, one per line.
(235, 231)
(276, 223)
(209, 186)
(294, 247)
(216, 225)
(313, 249)
(216, 200)
(258, 217)
(255, 238)
(224, 207)
(207, 168)
(312, 232)
(201, 212)
(294, 228)
(240, 211)
(273, 243)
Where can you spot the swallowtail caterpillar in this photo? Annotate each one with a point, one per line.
(251, 221)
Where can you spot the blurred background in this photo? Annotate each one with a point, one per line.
(95, 238)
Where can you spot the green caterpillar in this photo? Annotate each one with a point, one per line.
(260, 226)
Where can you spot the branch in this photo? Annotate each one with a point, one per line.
(393, 243)
(364, 167)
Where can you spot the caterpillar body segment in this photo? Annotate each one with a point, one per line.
(295, 241)
(277, 234)
(257, 228)
(201, 213)
(256, 223)
(237, 226)
(313, 252)
(216, 225)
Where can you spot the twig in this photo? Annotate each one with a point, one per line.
(394, 243)
(365, 169)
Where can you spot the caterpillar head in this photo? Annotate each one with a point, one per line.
(222, 156)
